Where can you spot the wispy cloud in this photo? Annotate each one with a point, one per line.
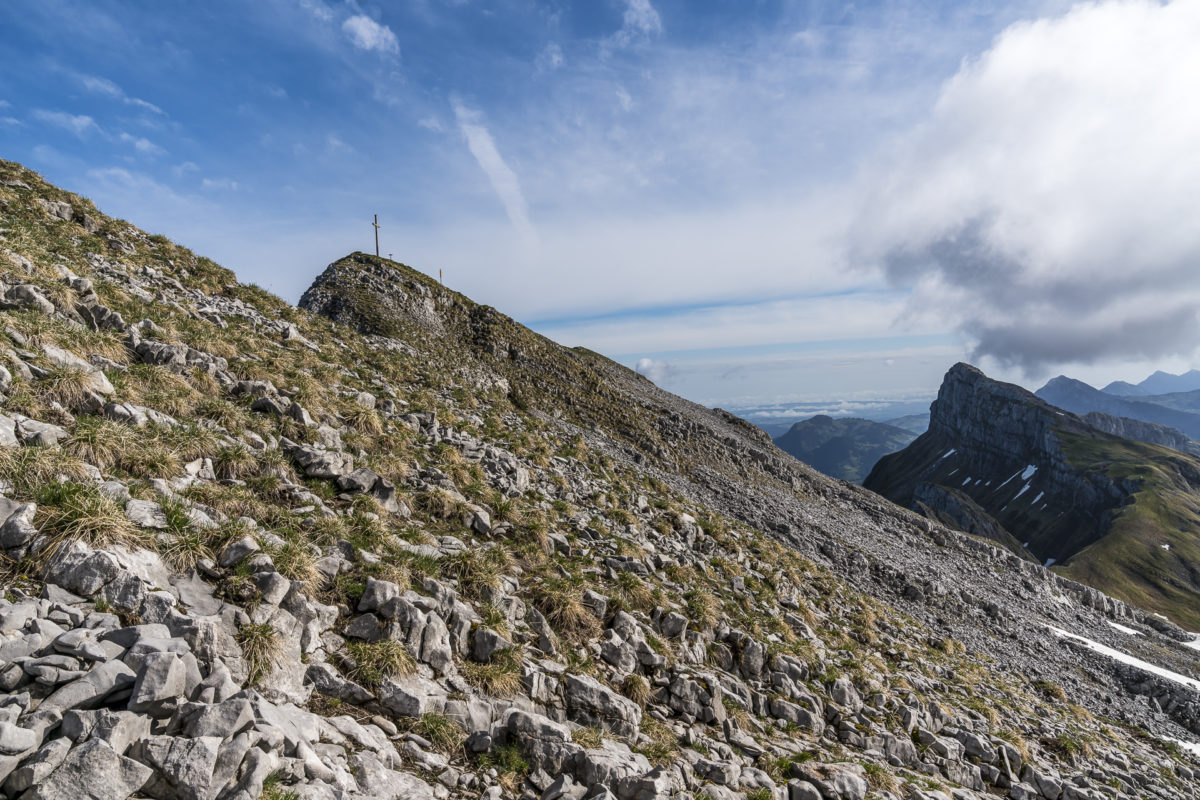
(367, 34)
(103, 86)
(78, 124)
(142, 145)
(504, 181)
(550, 59)
(219, 184)
(334, 144)
(640, 22)
(318, 10)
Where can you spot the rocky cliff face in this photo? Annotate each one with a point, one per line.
(1000, 445)
(1142, 431)
(412, 550)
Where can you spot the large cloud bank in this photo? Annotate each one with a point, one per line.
(1050, 207)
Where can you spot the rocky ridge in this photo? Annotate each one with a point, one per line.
(252, 553)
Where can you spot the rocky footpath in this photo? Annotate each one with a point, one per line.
(248, 552)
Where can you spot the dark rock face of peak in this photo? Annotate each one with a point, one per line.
(1000, 446)
(979, 412)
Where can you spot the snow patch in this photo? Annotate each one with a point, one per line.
(949, 453)
(1191, 747)
(1125, 658)
(1039, 497)
(968, 480)
(1010, 477)
(1049, 562)
(1028, 473)
(1166, 546)
(1123, 629)
(1024, 489)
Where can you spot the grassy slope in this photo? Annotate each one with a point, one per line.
(1130, 562)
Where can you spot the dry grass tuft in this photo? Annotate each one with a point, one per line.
(262, 648)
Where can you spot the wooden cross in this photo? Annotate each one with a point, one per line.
(376, 224)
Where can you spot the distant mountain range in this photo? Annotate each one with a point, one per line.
(1158, 383)
(843, 448)
(1114, 513)
(1179, 410)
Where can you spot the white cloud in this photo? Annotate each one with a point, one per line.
(319, 10)
(101, 86)
(142, 145)
(504, 181)
(624, 98)
(10, 121)
(78, 124)
(1048, 205)
(219, 184)
(550, 59)
(639, 23)
(656, 370)
(334, 144)
(136, 101)
(367, 34)
(4, 104)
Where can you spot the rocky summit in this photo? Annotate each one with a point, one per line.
(1071, 492)
(391, 544)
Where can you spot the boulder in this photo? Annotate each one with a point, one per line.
(320, 463)
(92, 771)
(183, 766)
(590, 702)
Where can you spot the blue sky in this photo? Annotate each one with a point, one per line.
(757, 202)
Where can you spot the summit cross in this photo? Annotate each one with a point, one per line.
(376, 224)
